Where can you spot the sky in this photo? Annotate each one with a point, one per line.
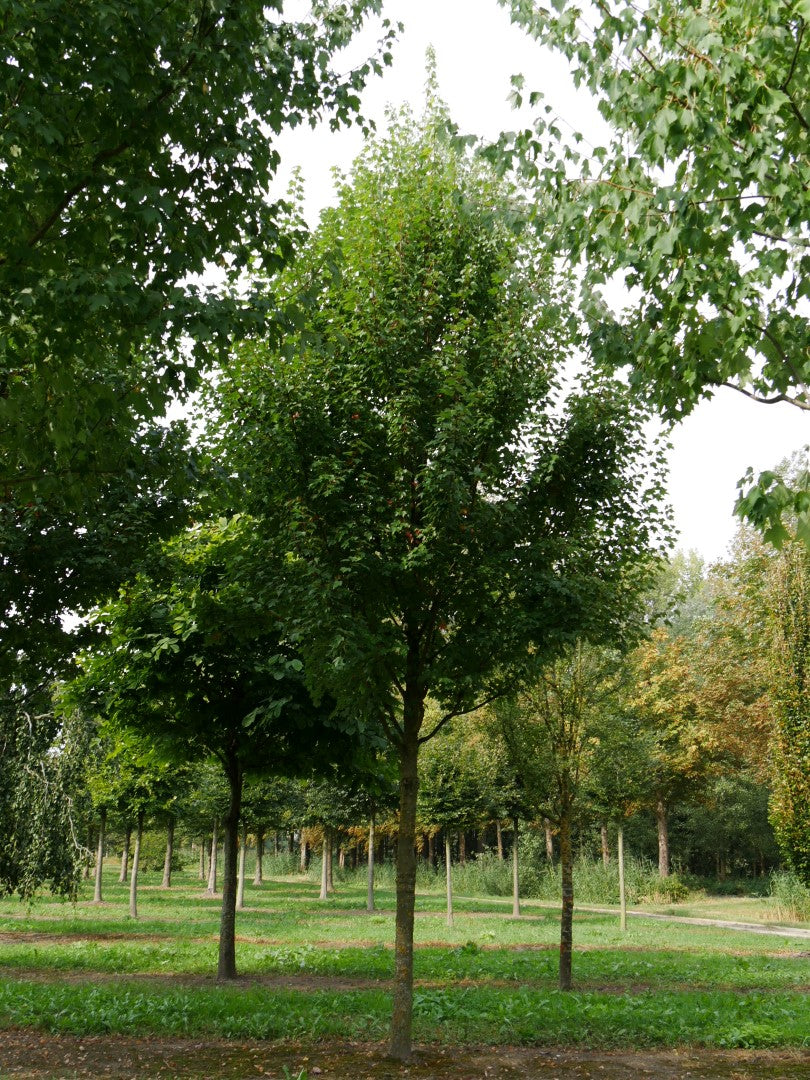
(477, 51)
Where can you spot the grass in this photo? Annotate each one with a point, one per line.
(90, 969)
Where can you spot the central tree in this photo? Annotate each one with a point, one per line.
(440, 509)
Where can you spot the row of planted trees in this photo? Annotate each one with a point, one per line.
(403, 515)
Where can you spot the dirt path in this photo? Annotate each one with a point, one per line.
(27, 1055)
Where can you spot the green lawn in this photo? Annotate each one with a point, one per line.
(316, 969)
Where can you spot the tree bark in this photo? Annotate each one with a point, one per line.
(549, 840)
(499, 840)
(448, 877)
(202, 859)
(515, 874)
(303, 854)
(102, 826)
(167, 862)
(136, 860)
(122, 877)
(402, 1012)
(605, 845)
(663, 838)
(212, 861)
(226, 965)
(370, 891)
(240, 888)
(431, 850)
(567, 912)
(462, 848)
(622, 890)
(324, 893)
(330, 881)
(257, 877)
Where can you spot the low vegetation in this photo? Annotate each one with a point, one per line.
(318, 970)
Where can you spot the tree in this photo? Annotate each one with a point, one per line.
(137, 149)
(698, 204)
(440, 505)
(547, 730)
(790, 804)
(194, 661)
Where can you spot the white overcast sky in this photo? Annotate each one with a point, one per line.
(477, 50)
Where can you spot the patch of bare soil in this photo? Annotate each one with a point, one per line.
(27, 1055)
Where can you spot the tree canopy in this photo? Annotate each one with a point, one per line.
(699, 202)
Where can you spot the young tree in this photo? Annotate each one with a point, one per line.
(699, 202)
(194, 660)
(440, 506)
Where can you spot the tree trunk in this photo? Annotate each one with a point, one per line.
(303, 855)
(167, 862)
(257, 877)
(122, 877)
(212, 861)
(342, 857)
(605, 845)
(275, 843)
(370, 892)
(567, 913)
(324, 893)
(431, 850)
(448, 877)
(499, 840)
(622, 891)
(663, 838)
(136, 859)
(226, 965)
(515, 875)
(402, 1012)
(330, 881)
(202, 859)
(462, 849)
(102, 826)
(549, 840)
(240, 888)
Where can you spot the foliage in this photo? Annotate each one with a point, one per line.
(791, 898)
(42, 799)
(790, 805)
(137, 147)
(698, 204)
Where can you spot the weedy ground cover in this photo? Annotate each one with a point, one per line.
(321, 970)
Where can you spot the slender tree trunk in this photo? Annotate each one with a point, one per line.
(370, 892)
(275, 843)
(448, 877)
(167, 862)
(515, 874)
(567, 913)
(622, 890)
(102, 828)
(330, 881)
(462, 848)
(431, 850)
(663, 838)
(549, 840)
(324, 893)
(226, 965)
(240, 887)
(136, 860)
(402, 1012)
(122, 877)
(499, 840)
(303, 854)
(605, 845)
(212, 861)
(257, 877)
(202, 859)
(342, 858)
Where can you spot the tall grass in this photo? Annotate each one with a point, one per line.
(487, 875)
(790, 898)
